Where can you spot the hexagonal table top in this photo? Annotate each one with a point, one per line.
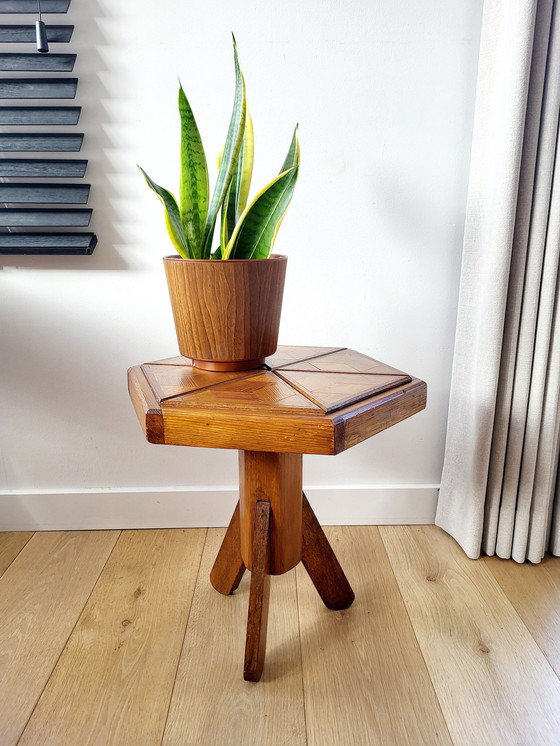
(304, 400)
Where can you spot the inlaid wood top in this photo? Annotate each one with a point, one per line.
(304, 400)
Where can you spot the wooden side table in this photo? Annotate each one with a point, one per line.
(304, 400)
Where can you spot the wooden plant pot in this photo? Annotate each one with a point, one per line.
(227, 313)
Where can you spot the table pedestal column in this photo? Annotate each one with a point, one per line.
(276, 478)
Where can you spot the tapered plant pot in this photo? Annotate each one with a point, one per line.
(227, 313)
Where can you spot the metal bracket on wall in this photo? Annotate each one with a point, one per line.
(32, 229)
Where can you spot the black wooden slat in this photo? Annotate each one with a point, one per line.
(23, 62)
(67, 194)
(58, 142)
(19, 34)
(47, 243)
(30, 6)
(22, 217)
(38, 87)
(45, 168)
(39, 114)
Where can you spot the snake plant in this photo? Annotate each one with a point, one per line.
(247, 230)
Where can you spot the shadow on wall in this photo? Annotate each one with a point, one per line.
(99, 43)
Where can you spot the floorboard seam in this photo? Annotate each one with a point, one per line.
(488, 567)
(301, 658)
(93, 587)
(17, 555)
(195, 585)
(379, 528)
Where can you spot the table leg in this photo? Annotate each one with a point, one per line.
(228, 567)
(322, 565)
(255, 646)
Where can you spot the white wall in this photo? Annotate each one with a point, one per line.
(384, 94)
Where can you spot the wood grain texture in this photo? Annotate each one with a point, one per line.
(344, 361)
(277, 478)
(35, 62)
(322, 564)
(11, 544)
(146, 405)
(332, 391)
(360, 421)
(168, 381)
(260, 411)
(38, 87)
(212, 704)
(228, 568)
(259, 391)
(125, 649)
(365, 680)
(289, 354)
(51, 168)
(39, 193)
(39, 142)
(26, 217)
(534, 591)
(41, 596)
(226, 311)
(212, 428)
(259, 594)
(25, 33)
(474, 643)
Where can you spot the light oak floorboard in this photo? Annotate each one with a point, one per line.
(534, 591)
(41, 595)
(212, 705)
(365, 679)
(11, 544)
(494, 684)
(114, 679)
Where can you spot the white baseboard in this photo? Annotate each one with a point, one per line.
(174, 507)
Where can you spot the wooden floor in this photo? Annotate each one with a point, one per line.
(111, 637)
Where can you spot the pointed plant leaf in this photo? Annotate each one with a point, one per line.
(229, 157)
(194, 187)
(173, 216)
(256, 230)
(292, 158)
(238, 192)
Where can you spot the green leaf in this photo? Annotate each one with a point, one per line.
(292, 158)
(194, 187)
(229, 157)
(238, 192)
(172, 217)
(256, 231)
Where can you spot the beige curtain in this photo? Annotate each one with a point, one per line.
(499, 492)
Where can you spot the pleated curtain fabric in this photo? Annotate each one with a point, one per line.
(500, 492)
